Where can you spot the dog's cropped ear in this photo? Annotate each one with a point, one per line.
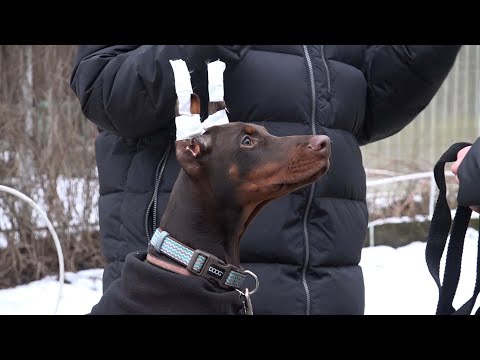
(189, 152)
(213, 107)
(194, 105)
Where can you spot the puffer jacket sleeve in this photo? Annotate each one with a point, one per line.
(469, 177)
(401, 82)
(129, 90)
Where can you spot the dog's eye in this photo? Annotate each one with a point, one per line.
(247, 141)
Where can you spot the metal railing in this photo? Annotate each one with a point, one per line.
(58, 246)
(417, 218)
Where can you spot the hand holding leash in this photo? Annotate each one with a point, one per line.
(460, 156)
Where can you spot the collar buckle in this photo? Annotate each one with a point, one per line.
(210, 267)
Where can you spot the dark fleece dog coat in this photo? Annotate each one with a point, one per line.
(145, 289)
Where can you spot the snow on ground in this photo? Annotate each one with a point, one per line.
(397, 282)
(40, 297)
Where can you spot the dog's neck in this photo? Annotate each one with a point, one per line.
(193, 218)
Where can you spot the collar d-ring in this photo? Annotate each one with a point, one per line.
(257, 282)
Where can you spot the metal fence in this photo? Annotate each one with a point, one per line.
(453, 115)
(393, 181)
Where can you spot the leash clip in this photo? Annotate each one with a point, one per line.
(247, 301)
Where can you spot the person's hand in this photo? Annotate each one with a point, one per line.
(460, 156)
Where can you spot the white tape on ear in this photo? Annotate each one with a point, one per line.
(218, 118)
(188, 126)
(215, 80)
(183, 85)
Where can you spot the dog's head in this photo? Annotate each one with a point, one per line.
(246, 161)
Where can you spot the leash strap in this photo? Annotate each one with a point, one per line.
(197, 261)
(437, 238)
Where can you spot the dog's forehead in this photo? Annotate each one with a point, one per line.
(238, 129)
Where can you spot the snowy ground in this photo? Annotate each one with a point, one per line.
(397, 282)
(40, 297)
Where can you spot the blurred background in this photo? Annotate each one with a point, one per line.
(46, 152)
(38, 110)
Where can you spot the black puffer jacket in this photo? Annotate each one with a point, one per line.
(305, 247)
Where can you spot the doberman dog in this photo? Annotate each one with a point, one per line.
(227, 175)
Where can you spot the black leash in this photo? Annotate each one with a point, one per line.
(437, 239)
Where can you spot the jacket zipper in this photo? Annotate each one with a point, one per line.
(153, 205)
(326, 69)
(312, 187)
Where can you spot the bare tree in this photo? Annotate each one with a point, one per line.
(50, 156)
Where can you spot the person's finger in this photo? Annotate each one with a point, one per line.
(460, 155)
(475, 208)
(455, 168)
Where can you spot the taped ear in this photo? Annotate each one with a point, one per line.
(216, 107)
(187, 109)
(194, 105)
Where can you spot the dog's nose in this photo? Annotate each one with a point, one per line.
(319, 143)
